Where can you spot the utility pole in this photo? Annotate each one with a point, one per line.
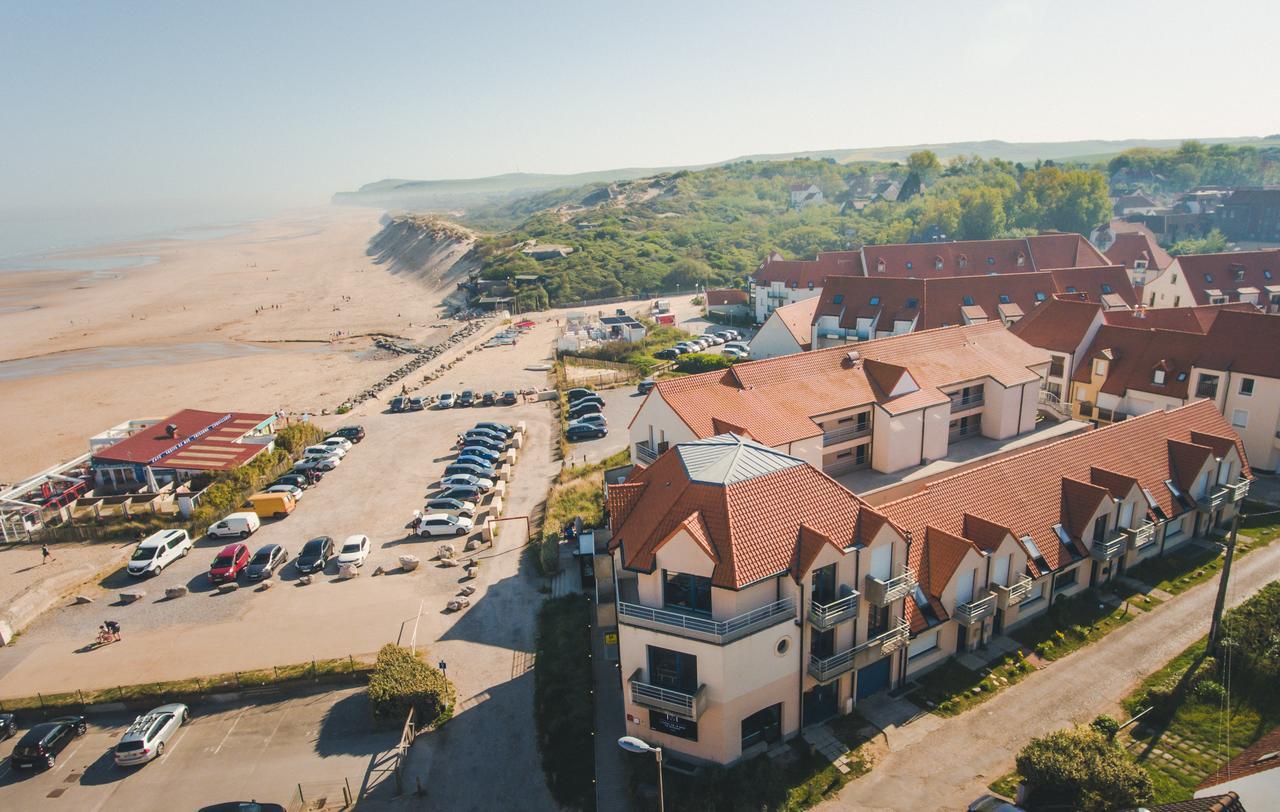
(1215, 626)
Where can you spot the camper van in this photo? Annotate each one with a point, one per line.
(158, 551)
(236, 525)
(273, 505)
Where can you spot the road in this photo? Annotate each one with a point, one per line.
(934, 763)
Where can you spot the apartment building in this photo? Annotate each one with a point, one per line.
(1200, 279)
(993, 546)
(862, 308)
(1141, 256)
(787, 330)
(1128, 371)
(779, 282)
(890, 404)
(757, 596)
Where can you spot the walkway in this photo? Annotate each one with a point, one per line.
(950, 766)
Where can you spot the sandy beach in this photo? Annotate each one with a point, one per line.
(246, 321)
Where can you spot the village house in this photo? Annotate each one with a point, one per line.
(756, 596)
(1201, 279)
(731, 303)
(1136, 249)
(1251, 215)
(890, 404)
(804, 195)
(789, 329)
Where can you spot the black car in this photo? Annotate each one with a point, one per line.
(509, 398)
(315, 555)
(489, 398)
(584, 409)
(498, 428)
(669, 354)
(42, 744)
(296, 480)
(353, 433)
(484, 434)
(472, 469)
(465, 493)
(585, 431)
(467, 398)
(580, 402)
(486, 441)
(579, 393)
(646, 385)
(8, 726)
(265, 562)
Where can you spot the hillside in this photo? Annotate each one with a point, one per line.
(435, 252)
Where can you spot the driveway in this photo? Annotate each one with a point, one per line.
(620, 406)
(946, 764)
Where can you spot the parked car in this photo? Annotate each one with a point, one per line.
(467, 479)
(274, 505)
(669, 354)
(727, 334)
(578, 392)
(147, 736)
(451, 506)
(475, 469)
(297, 480)
(734, 353)
(236, 525)
(489, 398)
(585, 431)
(493, 458)
(292, 490)
(353, 433)
(399, 403)
(315, 555)
(227, 565)
(354, 550)
(316, 464)
(485, 434)
(509, 398)
(500, 428)
(40, 746)
(467, 398)
(580, 402)
(484, 440)
(585, 409)
(477, 460)
(444, 524)
(993, 803)
(323, 451)
(464, 493)
(265, 562)
(417, 404)
(445, 400)
(713, 338)
(593, 419)
(158, 551)
(737, 345)
(335, 441)
(8, 726)
(646, 386)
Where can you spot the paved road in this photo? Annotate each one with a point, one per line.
(945, 764)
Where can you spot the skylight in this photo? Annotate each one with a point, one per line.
(1040, 296)
(1266, 274)
(1004, 298)
(1071, 290)
(1036, 557)
(912, 304)
(991, 260)
(1106, 288)
(968, 301)
(838, 298)
(875, 300)
(1061, 533)
(1208, 278)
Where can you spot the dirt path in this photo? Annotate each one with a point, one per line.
(946, 764)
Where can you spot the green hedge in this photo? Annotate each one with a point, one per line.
(563, 707)
(298, 436)
(401, 679)
(1081, 769)
(696, 362)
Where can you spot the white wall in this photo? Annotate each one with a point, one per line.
(773, 339)
(656, 419)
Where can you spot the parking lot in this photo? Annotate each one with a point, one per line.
(227, 752)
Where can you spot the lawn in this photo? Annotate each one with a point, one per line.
(1072, 623)
(577, 492)
(1176, 572)
(949, 689)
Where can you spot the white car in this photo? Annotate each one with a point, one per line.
(291, 489)
(714, 339)
(594, 419)
(146, 737)
(316, 463)
(733, 352)
(444, 524)
(235, 525)
(324, 451)
(354, 550)
(467, 479)
(337, 442)
(158, 551)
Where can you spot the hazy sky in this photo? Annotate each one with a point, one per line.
(273, 103)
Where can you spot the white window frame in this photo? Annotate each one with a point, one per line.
(1240, 418)
(914, 648)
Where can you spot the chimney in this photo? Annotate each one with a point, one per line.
(851, 359)
(171, 430)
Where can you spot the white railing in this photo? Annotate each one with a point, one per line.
(977, 610)
(883, 593)
(826, 615)
(1012, 594)
(719, 632)
(1140, 535)
(678, 703)
(828, 668)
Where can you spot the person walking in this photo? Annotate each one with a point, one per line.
(45, 555)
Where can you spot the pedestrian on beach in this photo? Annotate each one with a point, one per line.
(45, 555)
(444, 667)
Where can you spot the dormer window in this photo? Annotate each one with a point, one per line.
(1022, 259)
(875, 301)
(937, 263)
(838, 298)
(1106, 288)
(1157, 377)
(968, 301)
(794, 285)
(1040, 296)
(991, 260)
(880, 265)
(908, 265)
(810, 286)
(1239, 274)
(963, 262)
(1140, 265)
(1004, 298)
(1071, 290)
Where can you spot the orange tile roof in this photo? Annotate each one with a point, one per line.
(1135, 354)
(1059, 324)
(1024, 492)
(777, 400)
(1249, 761)
(726, 296)
(1243, 342)
(1196, 319)
(1093, 283)
(1139, 244)
(797, 317)
(1205, 272)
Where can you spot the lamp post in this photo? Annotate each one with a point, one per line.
(634, 745)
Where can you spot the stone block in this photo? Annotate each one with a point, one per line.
(132, 596)
(175, 591)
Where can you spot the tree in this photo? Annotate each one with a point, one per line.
(298, 436)
(1212, 243)
(924, 163)
(1081, 769)
(981, 213)
(910, 187)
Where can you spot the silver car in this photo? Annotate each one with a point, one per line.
(146, 737)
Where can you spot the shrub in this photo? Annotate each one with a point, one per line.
(1106, 725)
(696, 362)
(1082, 769)
(401, 679)
(1208, 690)
(296, 437)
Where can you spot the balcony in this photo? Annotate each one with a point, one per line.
(960, 402)
(825, 669)
(719, 632)
(844, 434)
(976, 611)
(1109, 546)
(1239, 490)
(1218, 495)
(1139, 536)
(645, 453)
(883, 593)
(1012, 594)
(824, 616)
(676, 703)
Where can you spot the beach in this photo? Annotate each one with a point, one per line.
(276, 315)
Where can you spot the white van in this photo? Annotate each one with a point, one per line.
(158, 551)
(236, 526)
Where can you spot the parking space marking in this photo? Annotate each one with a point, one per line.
(234, 721)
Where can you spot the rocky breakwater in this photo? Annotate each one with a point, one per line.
(420, 356)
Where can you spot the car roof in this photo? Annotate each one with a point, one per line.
(445, 516)
(266, 548)
(231, 549)
(356, 537)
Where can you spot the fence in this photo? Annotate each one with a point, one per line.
(638, 297)
(317, 795)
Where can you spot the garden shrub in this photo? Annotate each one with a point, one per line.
(401, 679)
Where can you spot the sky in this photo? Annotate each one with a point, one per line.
(180, 106)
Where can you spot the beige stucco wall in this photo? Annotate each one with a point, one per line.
(937, 421)
(1263, 406)
(1169, 289)
(773, 339)
(656, 418)
(896, 440)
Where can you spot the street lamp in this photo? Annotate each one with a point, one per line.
(634, 745)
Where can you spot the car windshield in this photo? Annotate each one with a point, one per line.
(351, 547)
(144, 554)
(223, 561)
(312, 547)
(130, 746)
(262, 557)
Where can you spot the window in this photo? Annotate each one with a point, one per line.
(1099, 367)
(1176, 300)
(1240, 418)
(908, 265)
(1140, 265)
(1107, 288)
(1022, 259)
(1246, 387)
(923, 644)
(838, 298)
(1040, 296)
(1100, 528)
(912, 304)
(1066, 579)
(1173, 278)
(1004, 298)
(1071, 290)
(1157, 377)
(1266, 274)
(875, 300)
(964, 263)
(1182, 376)
(991, 260)
(1208, 278)
(810, 286)
(1057, 365)
(937, 263)
(689, 592)
(968, 301)
(1035, 593)
(1207, 387)
(1239, 274)
(880, 265)
(762, 726)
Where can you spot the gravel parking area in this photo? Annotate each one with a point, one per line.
(620, 406)
(227, 752)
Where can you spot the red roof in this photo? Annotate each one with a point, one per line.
(1140, 244)
(1230, 272)
(1135, 354)
(1243, 342)
(1059, 324)
(793, 273)
(201, 441)
(726, 296)
(1196, 319)
(1256, 758)
(797, 317)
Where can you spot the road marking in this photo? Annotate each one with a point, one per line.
(218, 749)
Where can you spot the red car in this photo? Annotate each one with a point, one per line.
(232, 559)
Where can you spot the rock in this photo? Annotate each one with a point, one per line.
(304, 580)
(379, 570)
(131, 597)
(175, 592)
(471, 545)
(228, 587)
(448, 562)
(409, 563)
(83, 599)
(348, 571)
(267, 584)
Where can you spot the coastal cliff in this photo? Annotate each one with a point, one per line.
(434, 251)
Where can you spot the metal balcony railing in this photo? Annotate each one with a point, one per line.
(824, 616)
(976, 610)
(825, 669)
(965, 401)
(1141, 535)
(677, 703)
(883, 593)
(645, 453)
(1240, 489)
(1109, 546)
(841, 435)
(1012, 594)
(1215, 497)
(719, 632)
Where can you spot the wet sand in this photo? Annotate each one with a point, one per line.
(248, 320)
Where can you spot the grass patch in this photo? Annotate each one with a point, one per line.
(194, 686)
(1072, 623)
(563, 707)
(1006, 785)
(948, 690)
(577, 491)
(1177, 572)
